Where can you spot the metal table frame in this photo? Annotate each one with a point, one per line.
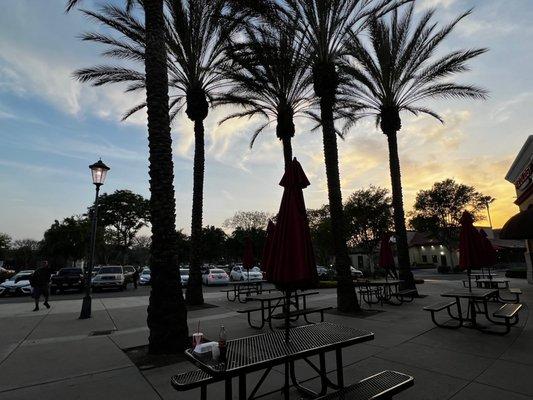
(474, 297)
(249, 288)
(270, 303)
(265, 351)
(384, 292)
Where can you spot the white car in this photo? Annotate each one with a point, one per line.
(356, 273)
(17, 284)
(215, 276)
(184, 275)
(145, 276)
(109, 277)
(239, 273)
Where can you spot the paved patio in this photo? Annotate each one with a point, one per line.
(51, 355)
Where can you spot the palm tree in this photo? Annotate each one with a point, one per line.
(270, 80)
(395, 72)
(196, 37)
(324, 27)
(167, 315)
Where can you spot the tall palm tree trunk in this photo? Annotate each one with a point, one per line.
(167, 315)
(194, 288)
(346, 297)
(399, 217)
(287, 150)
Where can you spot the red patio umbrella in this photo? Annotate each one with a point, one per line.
(291, 263)
(267, 249)
(248, 256)
(471, 246)
(386, 258)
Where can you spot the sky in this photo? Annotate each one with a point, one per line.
(52, 127)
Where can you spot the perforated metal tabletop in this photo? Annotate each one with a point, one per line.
(265, 350)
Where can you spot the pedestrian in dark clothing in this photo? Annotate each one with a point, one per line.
(135, 278)
(40, 283)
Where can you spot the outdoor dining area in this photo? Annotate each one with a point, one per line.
(290, 266)
(484, 296)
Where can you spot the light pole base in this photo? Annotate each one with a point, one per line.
(86, 308)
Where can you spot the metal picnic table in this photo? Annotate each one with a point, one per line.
(493, 283)
(384, 293)
(473, 296)
(265, 351)
(246, 288)
(273, 301)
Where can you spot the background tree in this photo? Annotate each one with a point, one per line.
(396, 71)
(5, 245)
(213, 245)
(167, 315)
(368, 216)
(438, 210)
(140, 250)
(236, 242)
(320, 227)
(67, 241)
(248, 220)
(25, 254)
(123, 213)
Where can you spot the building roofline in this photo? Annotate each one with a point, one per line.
(513, 172)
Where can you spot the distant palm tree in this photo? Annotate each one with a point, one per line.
(167, 315)
(196, 37)
(270, 79)
(324, 27)
(395, 72)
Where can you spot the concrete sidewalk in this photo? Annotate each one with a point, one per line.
(51, 354)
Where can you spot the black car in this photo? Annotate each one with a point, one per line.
(67, 279)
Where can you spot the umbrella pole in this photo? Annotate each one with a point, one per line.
(287, 309)
(469, 281)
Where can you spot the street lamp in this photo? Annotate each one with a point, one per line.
(99, 173)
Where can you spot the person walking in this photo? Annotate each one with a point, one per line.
(40, 283)
(135, 278)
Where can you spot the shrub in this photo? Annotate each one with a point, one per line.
(444, 270)
(516, 273)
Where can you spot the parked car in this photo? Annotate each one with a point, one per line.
(67, 279)
(145, 276)
(95, 270)
(356, 273)
(18, 284)
(215, 276)
(184, 276)
(239, 273)
(323, 273)
(109, 277)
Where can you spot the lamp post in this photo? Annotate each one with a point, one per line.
(98, 172)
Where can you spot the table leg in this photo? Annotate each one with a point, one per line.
(340, 370)
(242, 387)
(228, 389)
(286, 387)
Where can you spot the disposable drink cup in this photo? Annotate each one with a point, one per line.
(197, 338)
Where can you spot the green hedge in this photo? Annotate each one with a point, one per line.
(516, 273)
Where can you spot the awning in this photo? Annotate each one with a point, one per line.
(519, 226)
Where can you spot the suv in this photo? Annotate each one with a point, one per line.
(67, 278)
(111, 276)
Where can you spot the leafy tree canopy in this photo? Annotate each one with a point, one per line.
(248, 220)
(67, 240)
(438, 210)
(368, 217)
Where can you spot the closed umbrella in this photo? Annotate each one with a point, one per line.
(291, 263)
(386, 258)
(471, 246)
(267, 249)
(489, 252)
(248, 257)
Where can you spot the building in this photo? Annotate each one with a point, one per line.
(521, 176)
(426, 251)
